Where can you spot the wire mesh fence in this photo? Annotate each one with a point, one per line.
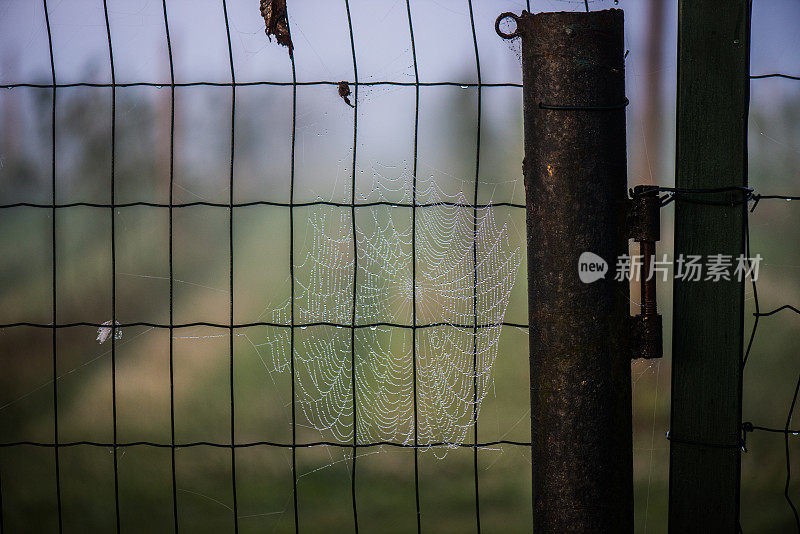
(415, 203)
(111, 330)
(748, 427)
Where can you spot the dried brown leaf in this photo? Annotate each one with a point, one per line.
(276, 19)
(344, 92)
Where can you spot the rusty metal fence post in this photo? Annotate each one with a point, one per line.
(575, 180)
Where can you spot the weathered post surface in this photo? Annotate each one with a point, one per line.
(708, 316)
(575, 180)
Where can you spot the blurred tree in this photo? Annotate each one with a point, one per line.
(649, 158)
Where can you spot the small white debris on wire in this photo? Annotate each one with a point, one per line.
(104, 332)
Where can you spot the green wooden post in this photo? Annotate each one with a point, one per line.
(708, 322)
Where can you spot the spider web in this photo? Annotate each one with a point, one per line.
(455, 246)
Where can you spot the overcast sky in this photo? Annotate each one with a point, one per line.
(320, 33)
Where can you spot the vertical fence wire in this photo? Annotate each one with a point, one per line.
(113, 326)
(355, 267)
(54, 270)
(748, 426)
(230, 267)
(475, 275)
(414, 266)
(786, 431)
(171, 268)
(291, 291)
(788, 481)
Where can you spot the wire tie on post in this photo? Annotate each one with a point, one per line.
(697, 443)
(611, 107)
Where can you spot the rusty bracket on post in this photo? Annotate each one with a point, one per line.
(644, 221)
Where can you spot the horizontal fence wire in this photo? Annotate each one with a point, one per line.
(119, 326)
(268, 444)
(262, 203)
(774, 75)
(249, 84)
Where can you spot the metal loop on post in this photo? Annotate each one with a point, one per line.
(500, 32)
